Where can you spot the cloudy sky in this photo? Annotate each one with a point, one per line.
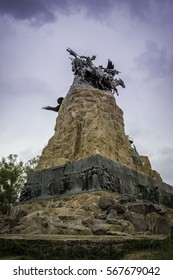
(35, 69)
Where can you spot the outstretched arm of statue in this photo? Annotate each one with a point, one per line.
(55, 109)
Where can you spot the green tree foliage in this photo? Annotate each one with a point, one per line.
(31, 164)
(13, 173)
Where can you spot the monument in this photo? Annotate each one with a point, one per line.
(90, 150)
(91, 191)
(90, 179)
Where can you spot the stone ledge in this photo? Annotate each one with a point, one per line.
(91, 238)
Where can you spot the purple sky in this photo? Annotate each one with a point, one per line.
(35, 69)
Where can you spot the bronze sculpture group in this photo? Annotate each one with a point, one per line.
(88, 74)
(98, 77)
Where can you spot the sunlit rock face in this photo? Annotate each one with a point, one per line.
(89, 122)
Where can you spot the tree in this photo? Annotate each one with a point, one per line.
(31, 164)
(13, 174)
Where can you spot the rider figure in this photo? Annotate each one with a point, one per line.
(88, 60)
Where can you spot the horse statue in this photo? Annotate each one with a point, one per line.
(105, 81)
(115, 83)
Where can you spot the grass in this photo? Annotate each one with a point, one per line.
(89, 250)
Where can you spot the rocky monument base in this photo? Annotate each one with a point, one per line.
(91, 214)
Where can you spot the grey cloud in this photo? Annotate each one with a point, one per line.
(97, 9)
(163, 163)
(44, 10)
(154, 60)
(32, 9)
(147, 9)
(167, 151)
(138, 8)
(165, 167)
(100, 9)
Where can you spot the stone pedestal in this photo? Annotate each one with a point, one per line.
(89, 122)
(90, 151)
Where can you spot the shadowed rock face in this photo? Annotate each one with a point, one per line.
(89, 123)
(96, 173)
